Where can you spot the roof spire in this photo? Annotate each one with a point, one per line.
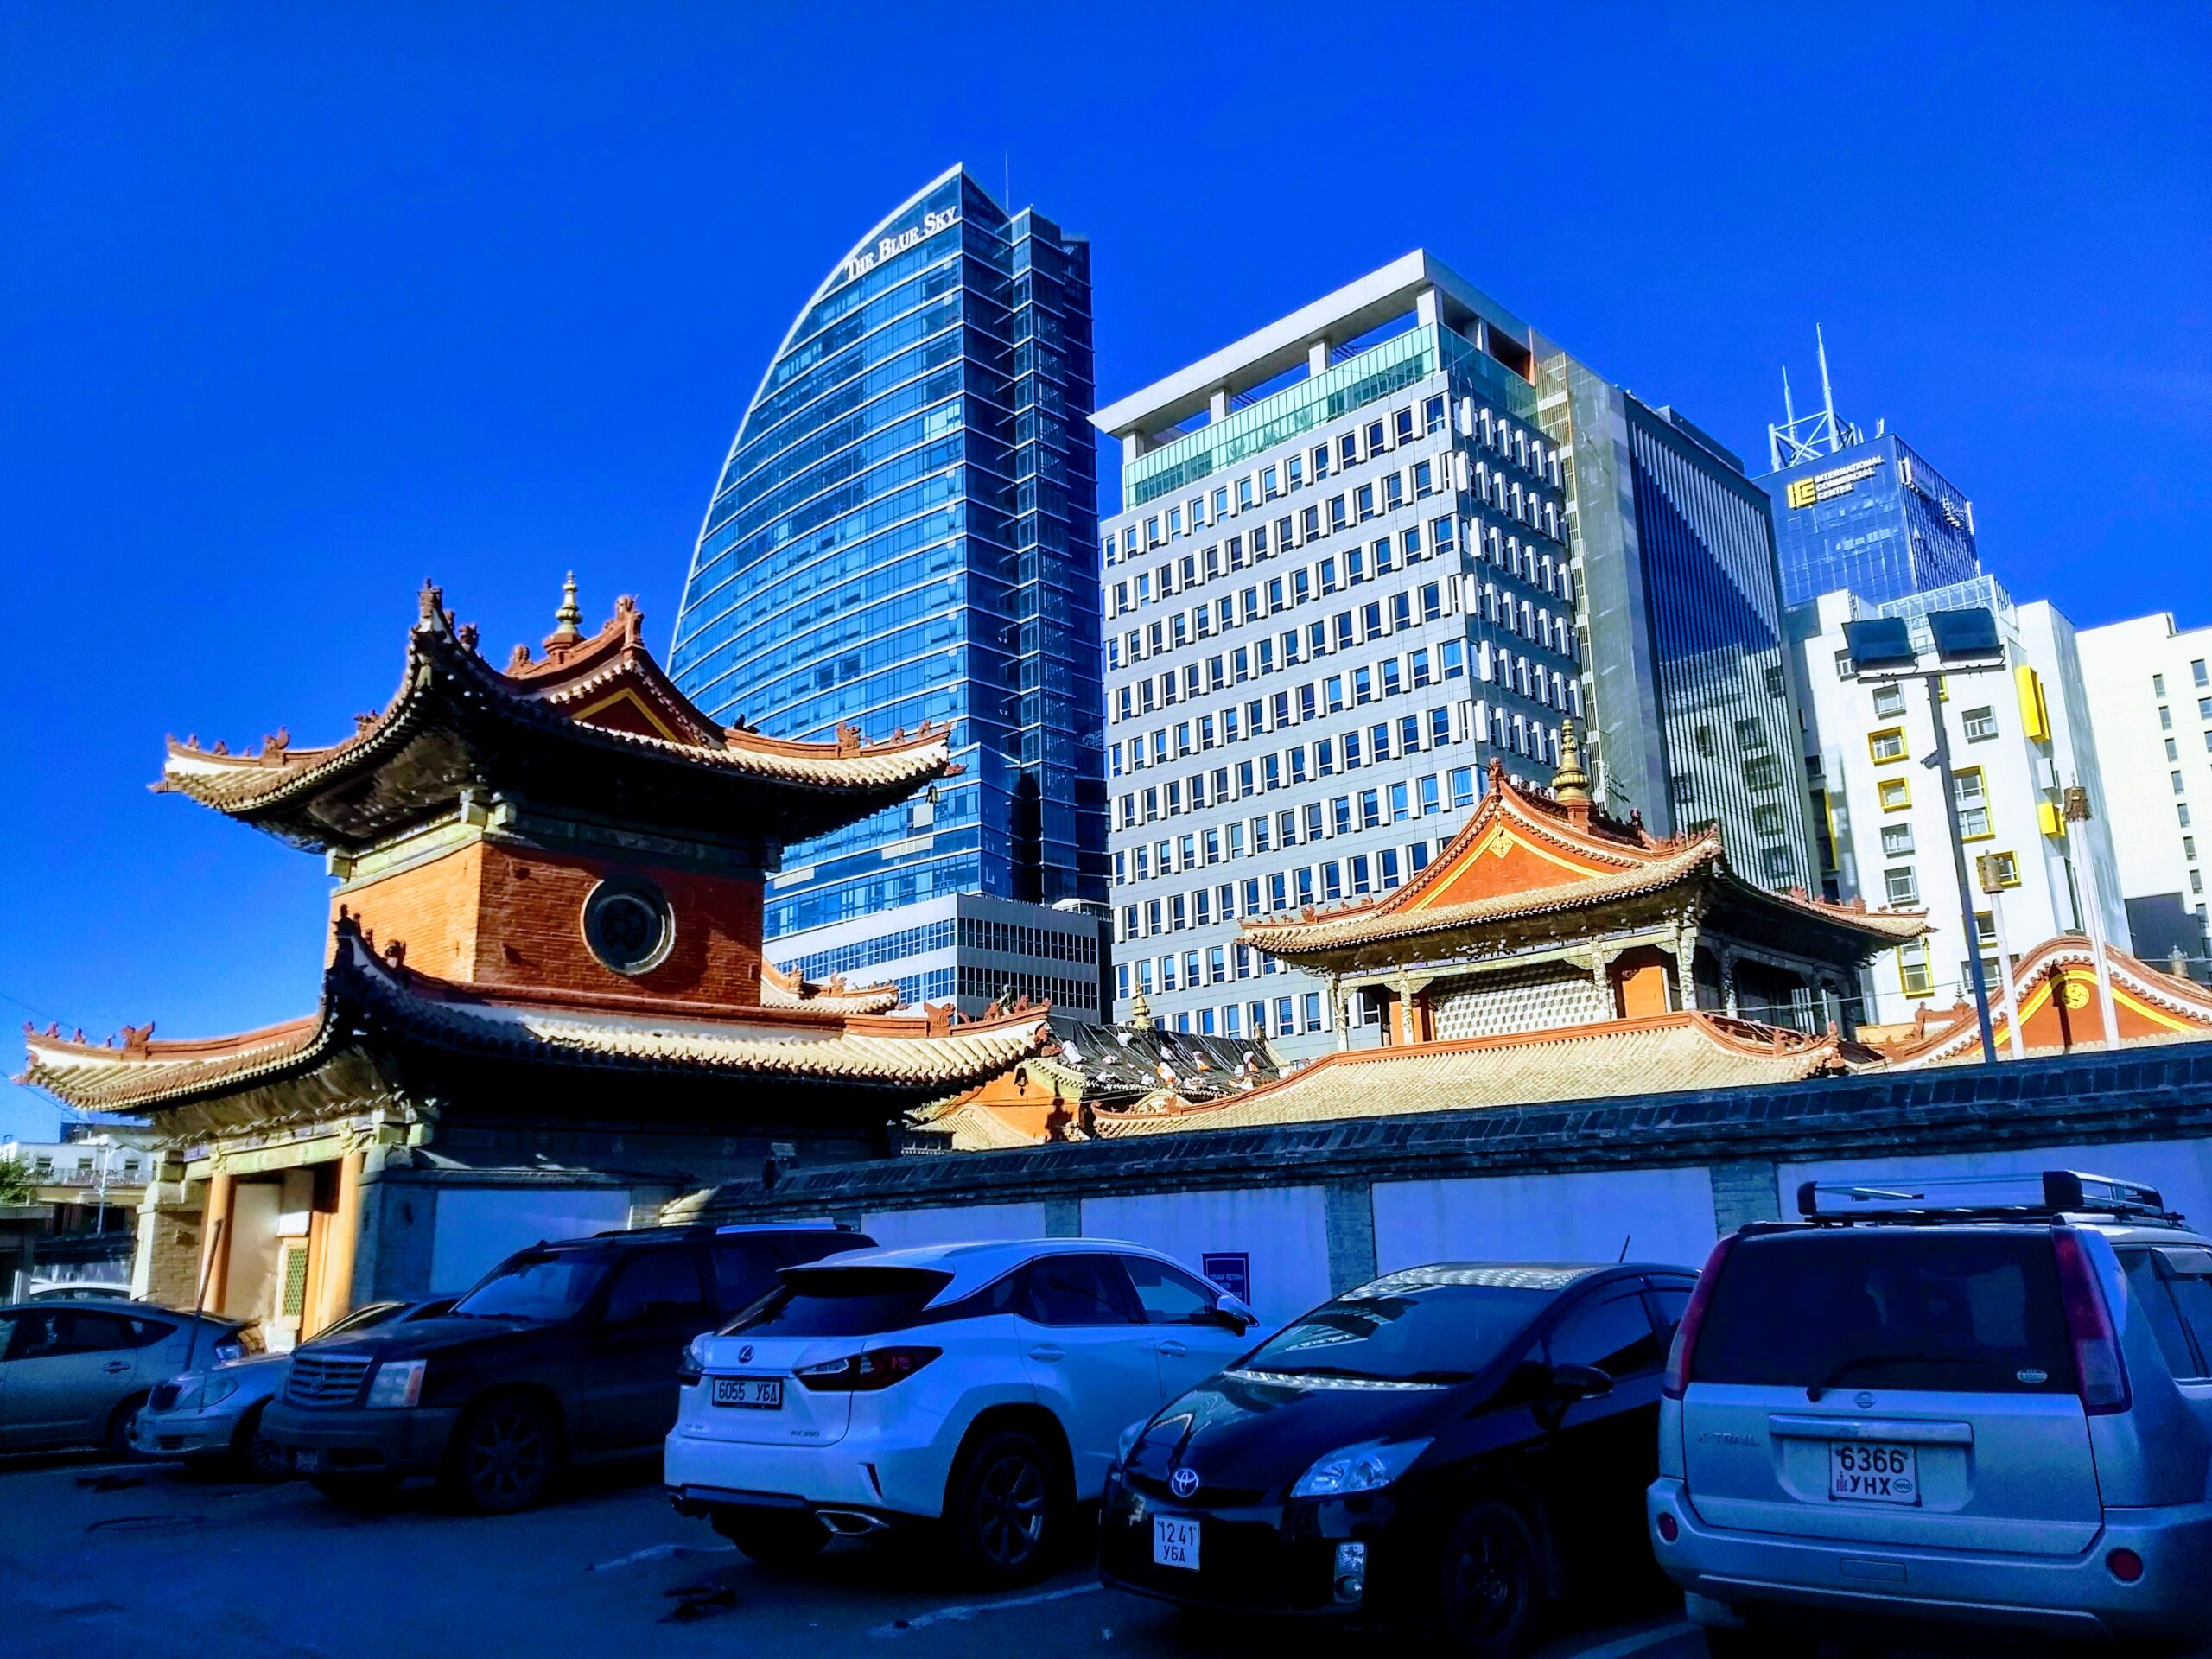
(1139, 1013)
(1570, 783)
(566, 621)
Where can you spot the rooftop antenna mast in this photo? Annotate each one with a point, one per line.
(1796, 442)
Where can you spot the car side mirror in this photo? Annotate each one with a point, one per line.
(1571, 1382)
(1233, 1313)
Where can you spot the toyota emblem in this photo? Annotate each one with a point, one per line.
(745, 1356)
(1863, 1400)
(1183, 1483)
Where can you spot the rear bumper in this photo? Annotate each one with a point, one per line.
(863, 1473)
(2072, 1597)
(359, 1441)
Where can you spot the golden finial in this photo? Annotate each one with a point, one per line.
(1139, 1013)
(1570, 783)
(566, 621)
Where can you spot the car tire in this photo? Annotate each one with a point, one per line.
(1491, 1583)
(369, 1492)
(253, 1452)
(1006, 1509)
(120, 1421)
(773, 1537)
(503, 1455)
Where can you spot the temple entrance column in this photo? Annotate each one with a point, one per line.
(341, 1235)
(1727, 960)
(1339, 1016)
(215, 1242)
(1686, 967)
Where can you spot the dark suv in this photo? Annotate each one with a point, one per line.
(564, 1353)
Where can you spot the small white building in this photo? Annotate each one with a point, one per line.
(2017, 739)
(2149, 686)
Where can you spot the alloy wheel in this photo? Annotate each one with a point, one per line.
(1493, 1579)
(506, 1455)
(1010, 1503)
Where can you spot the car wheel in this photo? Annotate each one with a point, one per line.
(120, 1422)
(503, 1454)
(773, 1537)
(1006, 1511)
(254, 1452)
(1491, 1597)
(358, 1492)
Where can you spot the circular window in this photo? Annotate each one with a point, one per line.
(627, 925)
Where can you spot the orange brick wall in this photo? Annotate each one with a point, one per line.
(433, 907)
(496, 915)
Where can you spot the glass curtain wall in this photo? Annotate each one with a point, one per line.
(905, 531)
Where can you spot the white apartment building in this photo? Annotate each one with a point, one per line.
(2151, 698)
(1339, 584)
(2016, 739)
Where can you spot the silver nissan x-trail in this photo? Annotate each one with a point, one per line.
(1985, 1400)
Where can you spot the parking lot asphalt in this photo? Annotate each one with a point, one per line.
(148, 1560)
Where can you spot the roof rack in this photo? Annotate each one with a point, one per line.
(2051, 1195)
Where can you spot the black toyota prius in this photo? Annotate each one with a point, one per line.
(1462, 1443)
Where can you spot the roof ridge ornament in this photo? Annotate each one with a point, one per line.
(1570, 783)
(567, 621)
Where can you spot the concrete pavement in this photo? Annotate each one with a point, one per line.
(145, 1562)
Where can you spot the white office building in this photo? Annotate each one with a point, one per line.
(1348, 570)
(2151, 697)
(2017, 739)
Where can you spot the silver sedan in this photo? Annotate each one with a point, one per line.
(75, 1373)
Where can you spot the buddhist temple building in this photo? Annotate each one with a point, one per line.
(545, 1007)
(1543, 913)
(2053, 989)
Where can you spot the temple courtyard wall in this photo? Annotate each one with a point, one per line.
(1302, 1211)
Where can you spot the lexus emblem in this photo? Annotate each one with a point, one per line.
(1183, 1483)
(1863, 1400)
(745, 1358)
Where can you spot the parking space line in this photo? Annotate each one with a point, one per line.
(1637, 1642)
(922, 1621)
(661, 1552)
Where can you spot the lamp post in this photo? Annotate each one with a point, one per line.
(105, 1143)
(2076, 810)
(1882, 651)
(1989, 869)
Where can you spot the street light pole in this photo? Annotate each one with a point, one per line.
(1959, 871)
(1993, 886)
(2077, 812)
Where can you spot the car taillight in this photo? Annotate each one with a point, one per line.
(1678, 1358)
(879, 1367)
(2103, 1377)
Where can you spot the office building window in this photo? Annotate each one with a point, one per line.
(1888, 700)
(1886, 746)
(1896, 840)
(1900, 884)
(1896, 794)
(1980, 724)
(1912, 969)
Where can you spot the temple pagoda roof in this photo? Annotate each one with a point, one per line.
(781, 990)
(373, 1005)
(593, 726)
(2160, 1007)
(1525, 860)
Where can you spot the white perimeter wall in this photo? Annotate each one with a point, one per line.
(1281, 1229)
(1664, 1215)
(477, 1227)
(896, 1229)
(2181, 1170)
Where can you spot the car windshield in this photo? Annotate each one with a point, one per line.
(840, 1302)
(1435, 1327)
(1898, 1309)
(541, 1285)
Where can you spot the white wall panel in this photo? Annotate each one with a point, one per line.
(1664, 1215)
(896, 1229)
(2181, 1170)
(477, 1227)
(1279, 1228)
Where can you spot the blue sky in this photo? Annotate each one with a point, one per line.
(299, 305)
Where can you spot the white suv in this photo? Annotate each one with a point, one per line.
(985, 1384)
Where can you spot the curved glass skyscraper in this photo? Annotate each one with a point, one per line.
(905, 529)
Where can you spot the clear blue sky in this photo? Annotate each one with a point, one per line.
(301, 304)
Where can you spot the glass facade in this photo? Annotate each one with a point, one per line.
(1874, 519)
(905, 529)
